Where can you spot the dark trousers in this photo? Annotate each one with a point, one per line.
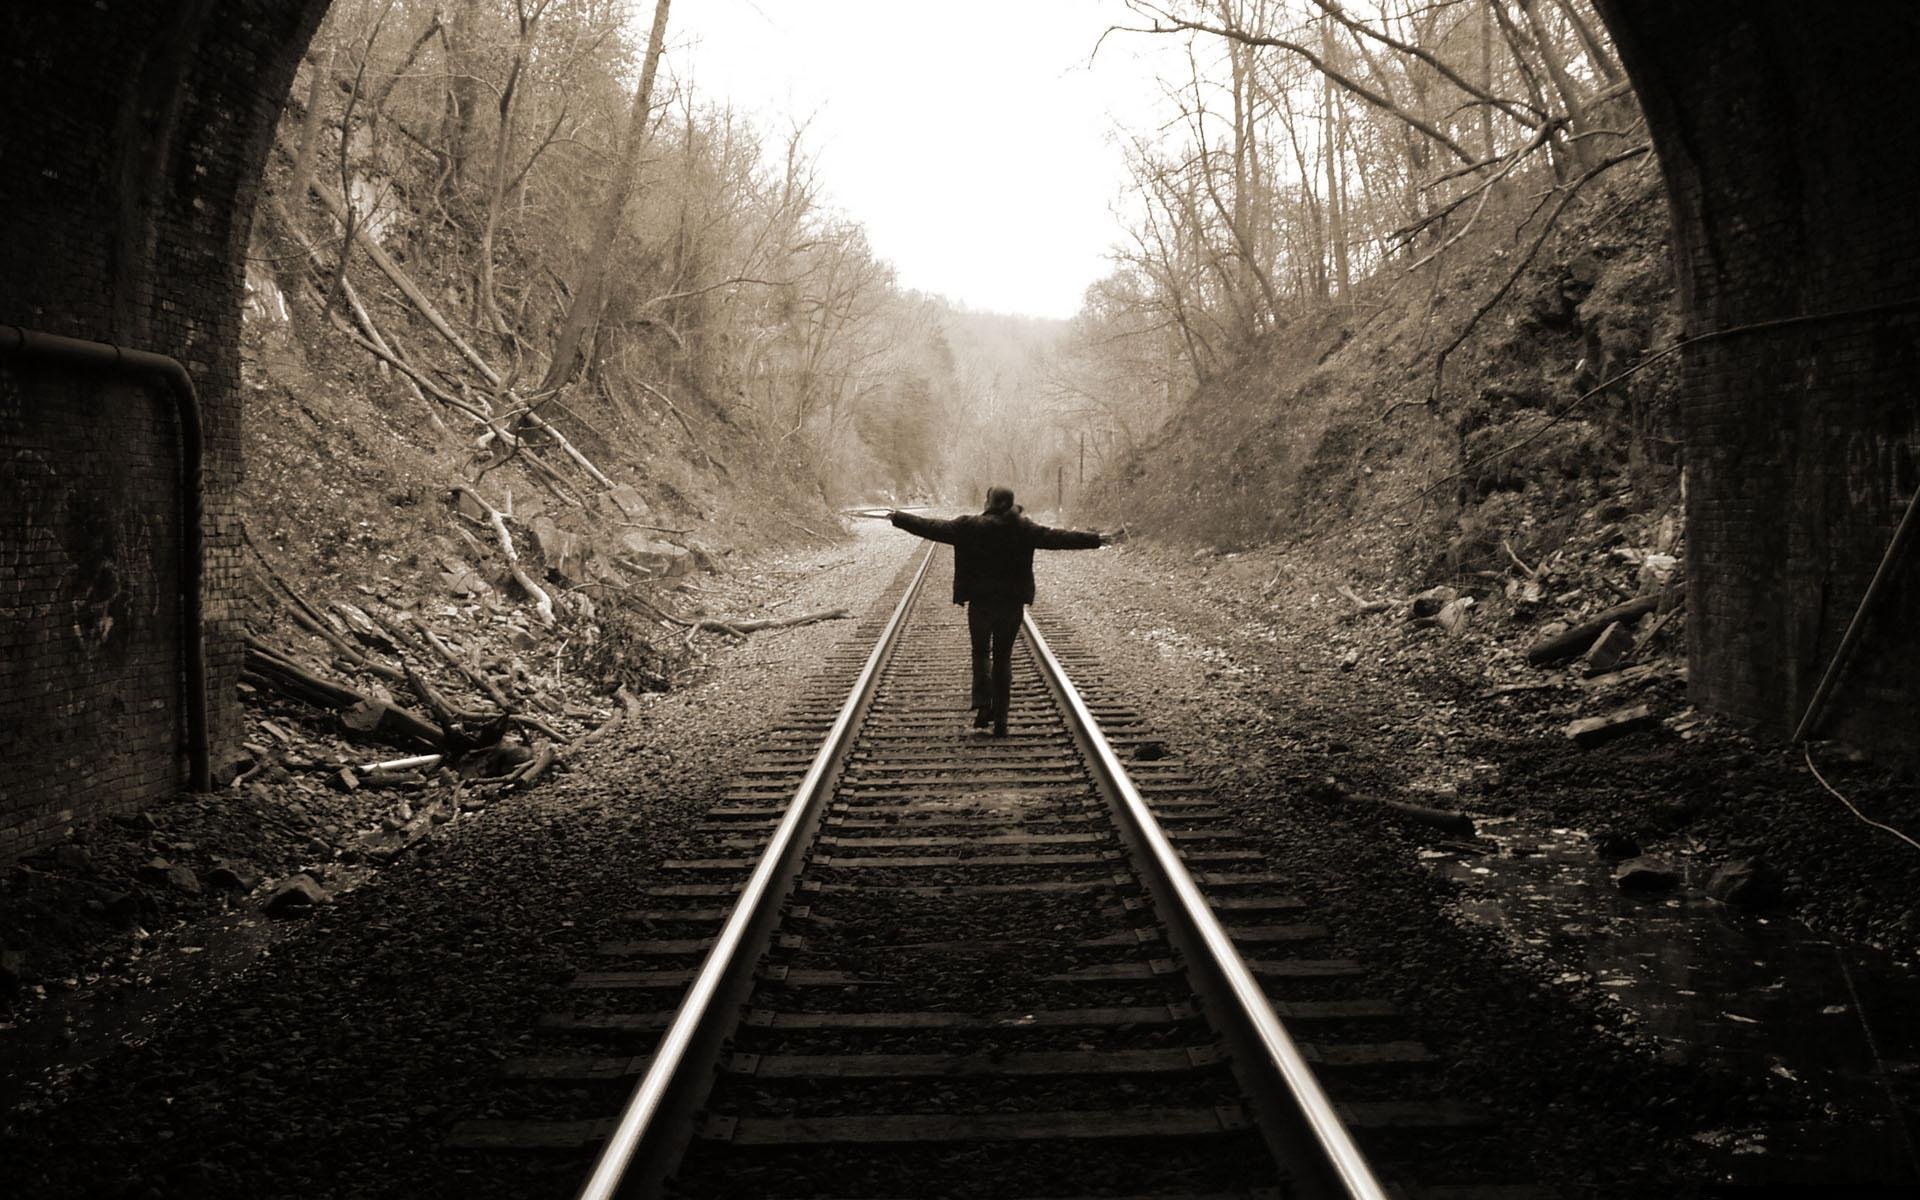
(992, 625)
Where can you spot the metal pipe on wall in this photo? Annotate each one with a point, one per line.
(32, 345)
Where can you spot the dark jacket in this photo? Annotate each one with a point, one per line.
(993, 552)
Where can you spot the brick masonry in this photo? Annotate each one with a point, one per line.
(89, 551)
(1792, 162)
(129, 159)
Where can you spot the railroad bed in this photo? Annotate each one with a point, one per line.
(955, 965)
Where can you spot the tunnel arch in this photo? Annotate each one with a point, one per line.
(1786, 137)
(133, 150)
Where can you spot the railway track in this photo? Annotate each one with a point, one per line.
(922, 962)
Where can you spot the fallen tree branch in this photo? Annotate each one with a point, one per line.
(269, 669)
(532, 722)
(421, 382)
(473, 675)
(1526, 570)
(685, 425)
(792, 524)
(1364, 607)
(542, 602)
(433, 317)
(305, 615)
(526, 776)
(741, 628)
(1576, 640)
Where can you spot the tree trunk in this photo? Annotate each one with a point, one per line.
(1596, 50)
(589, 291)
(463, 88)
(489, 308)
(1563, 83)
(1486, 80)
(1336, 203)
(309, 131)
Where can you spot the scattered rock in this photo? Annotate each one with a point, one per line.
(1746, 883)
(1350, 660)
(184, 881)
(12, 972)
(1645, 876)
(1326, 790)
(119, 907)
(154, 870)
(1430, 602)
(469, 506)
(1614, 644)
(628, 500)
(662, 559)
(73, 858)
(1453, 617)
(1673, 815)
(1583, 271)
(1656, 572)
(295, 897)
(233, 875)
(1615, 843)
(1590, 732)
(564, 551)
(462, 580)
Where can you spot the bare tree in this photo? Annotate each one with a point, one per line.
(589, 289)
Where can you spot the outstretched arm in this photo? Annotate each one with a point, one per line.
(1045, 538)
(930, 528)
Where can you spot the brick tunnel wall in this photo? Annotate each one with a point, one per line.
(129, 156)
(89, 600)
(1788, 139)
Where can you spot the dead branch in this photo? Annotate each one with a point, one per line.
(433, 317)
(526, 776)
(1575, 640)
(270, 670)
(1529, 572)
(305, 615)
(741, 628)
(535, 723)
(1365, 607)
(542, 602)
(793, 524)
(478, 678)
(685, 425)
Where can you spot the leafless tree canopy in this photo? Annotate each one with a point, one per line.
(1317, 155)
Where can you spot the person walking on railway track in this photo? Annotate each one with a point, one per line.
(993, 577)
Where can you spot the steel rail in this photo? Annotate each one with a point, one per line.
(646, 1121)
(1249, 1022)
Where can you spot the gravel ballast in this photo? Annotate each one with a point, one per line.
(1255, 668)
(334, 1064)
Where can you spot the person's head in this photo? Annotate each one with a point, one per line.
(999, 500)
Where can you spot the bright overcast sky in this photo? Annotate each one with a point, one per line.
(973, 140)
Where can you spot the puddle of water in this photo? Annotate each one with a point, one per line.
(1760, 996)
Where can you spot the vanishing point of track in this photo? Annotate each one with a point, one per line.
(925, 962)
